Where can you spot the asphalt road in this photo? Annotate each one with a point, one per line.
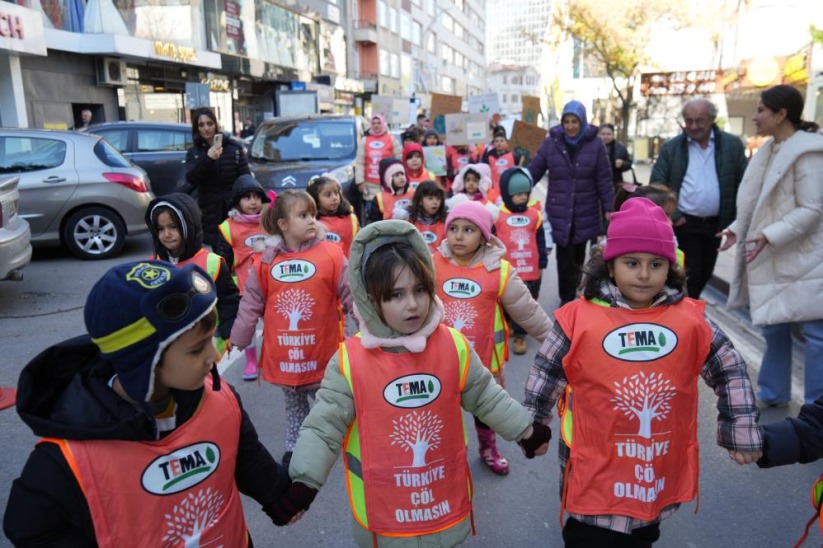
(738, 506)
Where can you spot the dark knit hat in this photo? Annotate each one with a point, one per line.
(244, 184)
(137, 309)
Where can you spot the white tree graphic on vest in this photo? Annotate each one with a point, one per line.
(295, 305)
(644, 397)
(520, 237)
(460, 314)
(417, 432)
(192, 516)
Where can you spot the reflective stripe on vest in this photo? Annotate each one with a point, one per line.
(210, 262)
(390, 389)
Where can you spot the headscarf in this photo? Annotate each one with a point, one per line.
(383, 128)
(575, 108)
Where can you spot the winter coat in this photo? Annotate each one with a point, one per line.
(580, 186)
(323, 431)
(214, 180)
(228, 296)
(617, 151)
(485, 185)
(46, 506)
(784, 202)
(517, 301)
(729, 159)
(253, 303)
(793, 439)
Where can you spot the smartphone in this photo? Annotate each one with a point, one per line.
(218, 140)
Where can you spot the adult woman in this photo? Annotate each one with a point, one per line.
(212, 168)
(580, 191)
(378, 143)
(779, 232)
(619, 158)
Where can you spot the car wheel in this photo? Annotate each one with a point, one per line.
(94, 233)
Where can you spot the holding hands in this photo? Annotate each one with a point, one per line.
(745, 457)
(536, 441)
(289, 508)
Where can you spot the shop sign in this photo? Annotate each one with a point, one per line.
(347, 84)
(182, 54)
(217, 84)
(343, 98)
(796, 68)
(21, 30)
(692, 82)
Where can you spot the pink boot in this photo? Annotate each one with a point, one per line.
(488, 452)
(250, 373)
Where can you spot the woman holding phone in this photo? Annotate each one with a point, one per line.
(779, 235)
(212, 165)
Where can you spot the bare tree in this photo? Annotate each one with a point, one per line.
(460, 314)
(519, 237)
(295, 305)
(192, 516)
(417, 432)
(644, 397)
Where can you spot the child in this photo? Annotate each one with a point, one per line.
(474, 180)
(499, 158)
(477, 286)
(415, 162)
(334, 211)
(431, 138)
(427, 213)
(527, 238)
(137, 407)
(364, 404)
(298, 287)
(241, 233)
(629, 353)
(177, 233)
(395, 193)
(457, 157)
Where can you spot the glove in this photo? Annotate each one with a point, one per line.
(541, 434)
(298, 498)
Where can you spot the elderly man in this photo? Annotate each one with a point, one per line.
(85, 120)
(704, 165)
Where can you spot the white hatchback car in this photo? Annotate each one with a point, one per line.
(15, 235)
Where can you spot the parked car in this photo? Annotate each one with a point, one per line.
(75, 190)
(287, 152)
(15, 234)
(157, 147)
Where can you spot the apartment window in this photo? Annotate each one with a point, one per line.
(393, 19)
(459, 59)
(382, 17)
(405, 26)
(385, 69)
(505, 78)
(417, 29)
(447, 22)
(503, 96)
(515, 98)
(447, 53)
(395, 65)
(431, 43)
(447, 84)
(416, 2)
(460, 4)
(430, 7)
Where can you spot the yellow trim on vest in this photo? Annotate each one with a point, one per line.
(225, 229)
(354, 224)
(680, 257)
(126, 336)
(500, 353)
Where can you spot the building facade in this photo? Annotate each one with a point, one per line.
(511, 83)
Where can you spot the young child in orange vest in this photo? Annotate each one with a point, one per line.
(499, 158)
(396, 191)
(474, 181)
(457, 157)
(415, 162)
(242, 241)
(174, 221)
(393, 399)
(625, 360)
(299, 287)
(478, 286)
(427, 213)
(527, 238)
(334, 211)
(141, 442)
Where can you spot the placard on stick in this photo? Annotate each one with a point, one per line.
(526, 137)
(465, 129)
(382, 105)
(440, 106)
(531, 109)
(435, 159)
(487, 104)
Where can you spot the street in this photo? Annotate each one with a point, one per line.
(738, 506)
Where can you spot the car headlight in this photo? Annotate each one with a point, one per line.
(344, 174)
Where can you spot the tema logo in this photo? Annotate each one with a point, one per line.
(502, 162)
(332, 237)
(376, 144)
(640, 342)
(517, 220)
(293, 271)
(403, 203)
(429, 237)
(412, 391)
(254, 238)
(461, 288)
(181, 469)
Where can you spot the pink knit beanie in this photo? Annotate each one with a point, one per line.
(473, 212)
(640, 227)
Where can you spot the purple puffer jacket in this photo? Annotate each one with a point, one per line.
(580, 190)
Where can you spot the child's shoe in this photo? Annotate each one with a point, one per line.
(488, 452)
(250, 373)
(520, 346)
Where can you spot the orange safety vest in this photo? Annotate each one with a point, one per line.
(498, 165)
(519, 232)
(471, 298)
(210, 262)
(303, 316)
(241, 237)
(407, 474)
(387, 201)
(178, 491)
(376, 148)
(432, 234)
(633, 375)
(414, 181)
(341, 230)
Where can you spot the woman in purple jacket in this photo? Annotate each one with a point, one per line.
(580, 191)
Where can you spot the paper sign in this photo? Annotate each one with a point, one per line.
(476, 132)
(400, 110)
(440, 106)
(531, 109)
(527, 138)
(382, 105)
(435, 159)
(466, 129)
(485, 104)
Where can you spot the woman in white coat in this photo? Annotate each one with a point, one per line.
(779, 233)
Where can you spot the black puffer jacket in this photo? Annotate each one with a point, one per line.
(214, 180)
